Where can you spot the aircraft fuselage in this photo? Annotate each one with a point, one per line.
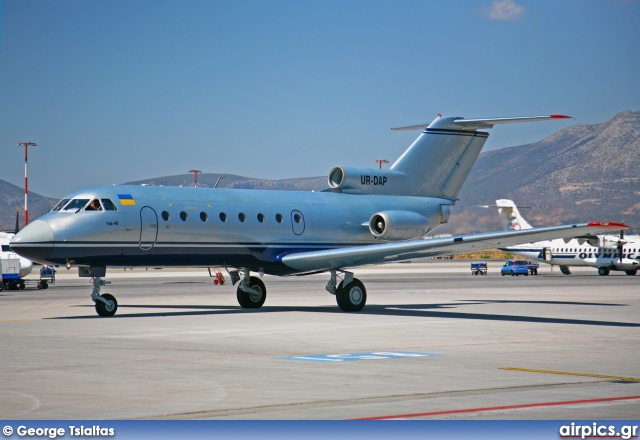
(205, 227)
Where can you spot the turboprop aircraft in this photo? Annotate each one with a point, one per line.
(366, 216)
(605, 252)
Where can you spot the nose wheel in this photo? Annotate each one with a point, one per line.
(106, 304)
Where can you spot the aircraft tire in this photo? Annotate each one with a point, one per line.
(631, 272)
(252, 300)
(603, 271)
(1, 286)
(352, 297)
(103, 309)
(45, 285)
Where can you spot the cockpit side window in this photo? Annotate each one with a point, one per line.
(60, 204)
(108, 205)
(76, 204)
(94, 205)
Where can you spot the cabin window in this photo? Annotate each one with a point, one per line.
(204, 217)
(108, 205)
(60, 204)
(261, 218)
(165, 216)
(279, 218)
(297, 218)
(76, 205)
(242, 217)
(223, 217)
(183, 216)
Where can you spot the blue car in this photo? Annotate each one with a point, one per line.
(515, 267)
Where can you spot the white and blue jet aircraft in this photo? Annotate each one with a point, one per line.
(366, 216)
(604, 252)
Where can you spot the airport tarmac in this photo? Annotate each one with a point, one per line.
(433, 342)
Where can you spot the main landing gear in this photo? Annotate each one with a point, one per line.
(351, 295)
(251, 292)
(106, 305)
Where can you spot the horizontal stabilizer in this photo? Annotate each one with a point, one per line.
(474, 124)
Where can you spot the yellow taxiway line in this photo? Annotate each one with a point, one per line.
(572, 373)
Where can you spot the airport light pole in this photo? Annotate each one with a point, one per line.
(26, 179)
(195, 177)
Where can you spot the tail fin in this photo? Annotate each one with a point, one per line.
(510, 216)
(439, 161)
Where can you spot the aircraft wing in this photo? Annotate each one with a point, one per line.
(387, 252)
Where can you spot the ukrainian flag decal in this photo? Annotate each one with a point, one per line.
(126, 199)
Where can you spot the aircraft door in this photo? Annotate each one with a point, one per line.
(297, 222)
(148, 228)
(546, 254)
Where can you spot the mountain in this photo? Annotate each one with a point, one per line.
(12, 201)
(582, 173)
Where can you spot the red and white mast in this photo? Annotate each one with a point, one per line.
(26, 178)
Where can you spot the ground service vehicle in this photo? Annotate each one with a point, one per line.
(515, 267)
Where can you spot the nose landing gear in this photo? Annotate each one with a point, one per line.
(106, 305)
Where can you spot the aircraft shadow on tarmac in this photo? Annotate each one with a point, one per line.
(406, 310)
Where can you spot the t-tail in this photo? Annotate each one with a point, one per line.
(436, 165)
(510, 216)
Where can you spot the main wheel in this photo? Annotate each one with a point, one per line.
(253, 300)
(352, 297)
(631, 272)
(45, 285)
(603, 271)
(108, 309)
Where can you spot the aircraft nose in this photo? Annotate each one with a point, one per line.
(34, 242)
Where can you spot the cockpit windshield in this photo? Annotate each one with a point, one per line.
(76, 204)
(60, 204)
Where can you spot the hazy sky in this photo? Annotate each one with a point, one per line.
(121, 90)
